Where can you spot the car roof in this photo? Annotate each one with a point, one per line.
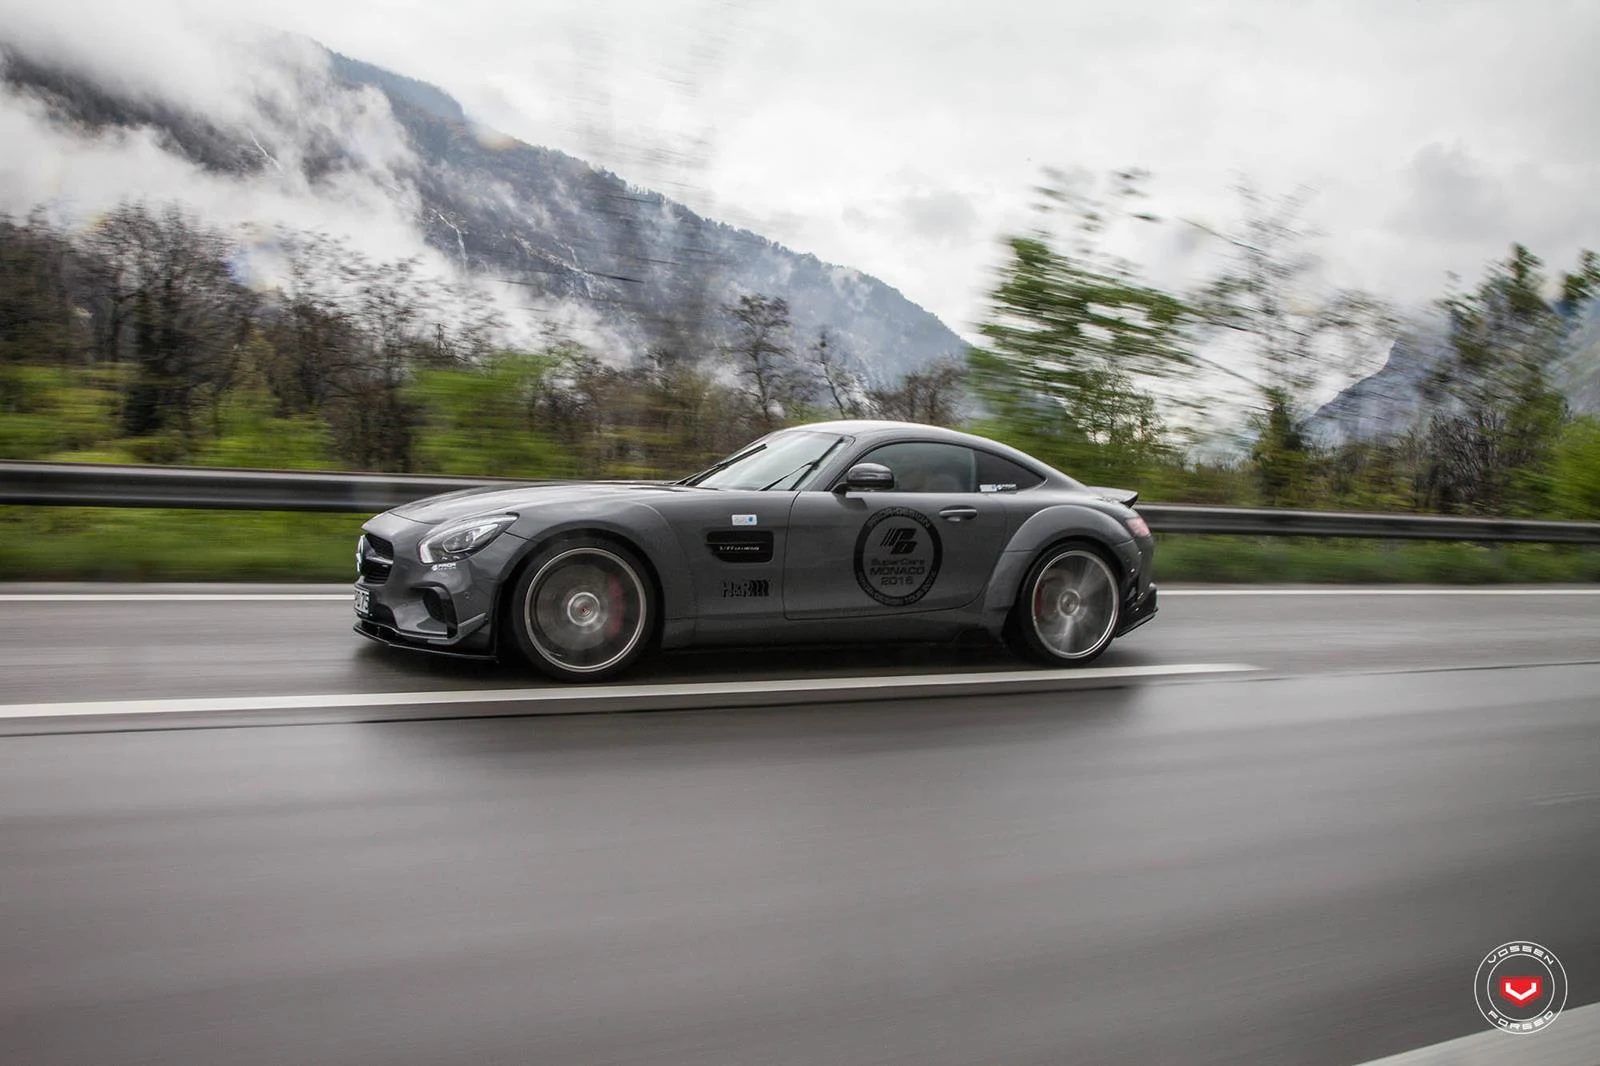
(868, 429)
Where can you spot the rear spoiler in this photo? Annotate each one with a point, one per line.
(1126, 497)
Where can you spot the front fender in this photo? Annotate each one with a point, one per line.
(636, 523)
(1038, 532)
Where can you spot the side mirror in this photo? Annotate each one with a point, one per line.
(867, 477)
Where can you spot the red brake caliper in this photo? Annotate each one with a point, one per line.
(614, 615)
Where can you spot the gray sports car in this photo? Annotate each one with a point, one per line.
(833, 532)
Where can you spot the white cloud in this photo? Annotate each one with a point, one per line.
(825, 119)
(904, 139)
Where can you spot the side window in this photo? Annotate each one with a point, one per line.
(928, 467)
(1002, 475)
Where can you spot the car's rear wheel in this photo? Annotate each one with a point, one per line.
(1068, 607)
(583, 610)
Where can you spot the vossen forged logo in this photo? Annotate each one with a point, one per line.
(897, 558)
(1521, 987)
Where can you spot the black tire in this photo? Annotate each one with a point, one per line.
(1069, 606)
(583, 609)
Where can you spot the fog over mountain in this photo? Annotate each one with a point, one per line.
(251, 129)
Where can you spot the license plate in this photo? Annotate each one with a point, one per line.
(363, 601)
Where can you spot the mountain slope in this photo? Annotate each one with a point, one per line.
(555, 238)
(1391, 399)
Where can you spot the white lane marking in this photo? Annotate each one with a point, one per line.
(1569, 1041)
(844, 687)
(344, 597)
(173, 597)
(1382, 591)
(1570, 797)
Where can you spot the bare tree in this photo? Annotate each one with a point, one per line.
(176, 312)
(39, 320)
(763, 354)
(838, 381)
(932, 396)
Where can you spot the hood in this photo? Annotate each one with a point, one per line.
(495, 499)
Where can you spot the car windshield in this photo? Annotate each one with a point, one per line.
(778, 462)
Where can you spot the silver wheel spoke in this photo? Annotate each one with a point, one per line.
(585, 610)
(1074, 605)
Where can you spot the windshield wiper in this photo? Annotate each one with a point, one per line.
(695, 479)
(801, 469)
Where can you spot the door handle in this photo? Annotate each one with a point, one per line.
(958, 514)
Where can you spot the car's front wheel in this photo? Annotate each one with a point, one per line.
(1068, 607)
(583, 610)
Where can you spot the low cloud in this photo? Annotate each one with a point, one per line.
(329, 158)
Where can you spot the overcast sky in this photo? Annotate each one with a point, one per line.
(903, 137)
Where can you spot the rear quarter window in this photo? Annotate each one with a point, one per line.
(997, 474)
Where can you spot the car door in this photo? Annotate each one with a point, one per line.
(928, 544)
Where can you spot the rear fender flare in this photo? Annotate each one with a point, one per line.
(1046, 527)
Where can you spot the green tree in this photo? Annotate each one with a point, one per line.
(1074, 337)
(1270, 291)
(1498, 415)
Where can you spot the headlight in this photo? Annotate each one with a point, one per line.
(1138, 526)
(462, 538)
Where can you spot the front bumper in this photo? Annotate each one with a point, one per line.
(445, 608)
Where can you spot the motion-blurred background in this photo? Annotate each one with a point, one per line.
(1319, 255)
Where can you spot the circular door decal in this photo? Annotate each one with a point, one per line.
(897, 556)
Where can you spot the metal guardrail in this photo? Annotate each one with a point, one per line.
(97, 485)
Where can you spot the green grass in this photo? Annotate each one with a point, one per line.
(116, 544)
(1362, 562)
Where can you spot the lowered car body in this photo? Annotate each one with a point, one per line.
(831, 532)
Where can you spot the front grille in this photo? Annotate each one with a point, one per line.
(374, 559)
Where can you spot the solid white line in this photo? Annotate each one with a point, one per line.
(676, 694)
(1570, 1040)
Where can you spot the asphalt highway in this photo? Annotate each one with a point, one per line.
(104, 645)
(1300, 865)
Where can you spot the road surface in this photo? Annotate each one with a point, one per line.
(1302, 864)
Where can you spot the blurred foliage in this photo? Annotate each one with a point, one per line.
(1497, 418)
(143, 340)
(49, 409)
(1330, 561)
(1072, 339)
(118, 544)
(126, 544)
(1575, 473)
(484, 421)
